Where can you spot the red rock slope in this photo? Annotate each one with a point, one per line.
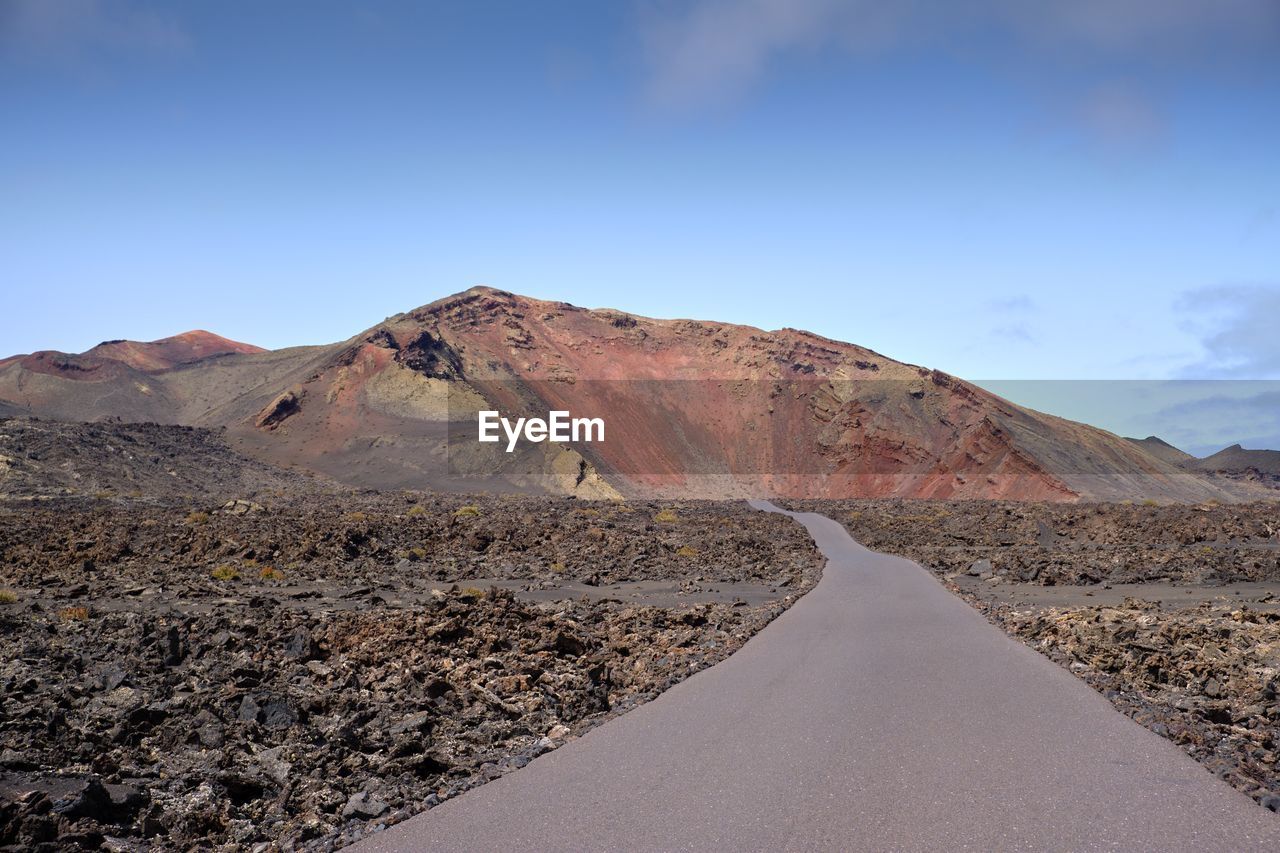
(691, 408)
(703, 408)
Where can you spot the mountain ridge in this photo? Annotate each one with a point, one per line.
(709, 408)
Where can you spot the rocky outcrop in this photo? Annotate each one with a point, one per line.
(278, 410)
(1071, 544)
(295, 674)
(50, 459)
(1170, 612)
(1204, 677)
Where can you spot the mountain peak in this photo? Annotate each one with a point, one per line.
(108, 357)
(693, 407)
(169, 352)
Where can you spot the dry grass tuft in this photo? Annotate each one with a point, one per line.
(225, 573)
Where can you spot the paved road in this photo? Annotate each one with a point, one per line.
(880, 712)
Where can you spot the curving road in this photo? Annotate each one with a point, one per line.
(880, 712)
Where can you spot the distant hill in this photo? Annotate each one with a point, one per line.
(113, 379)
(1236, 458)
(186, 348)
(1162, 449)
(1253, 467)
(1235, 463)
(694, 408)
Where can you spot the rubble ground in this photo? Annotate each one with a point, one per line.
(292, 671)
(1171, 612)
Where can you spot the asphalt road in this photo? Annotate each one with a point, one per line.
(880, 712)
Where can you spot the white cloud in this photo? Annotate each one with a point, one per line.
(717, 48)
(1144, 26)
(68, 30)
(703, 52)
(1121, 113)
(1019, 304)
(1236, 325)
(1222, 414)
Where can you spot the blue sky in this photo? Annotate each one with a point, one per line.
(999, 189)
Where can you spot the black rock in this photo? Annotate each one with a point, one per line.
(364, 806)
(419, 722)
(174, 652)
(86, 799)
(211, 736)
(302, 646)
(277, 714)
(249, 710)
(127, 800)
(981, 568)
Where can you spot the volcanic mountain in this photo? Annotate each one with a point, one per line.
(1261, 467)
(114, 379)
(1162, 449)
(691, 408)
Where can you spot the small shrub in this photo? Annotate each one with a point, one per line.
(468, 511)
(73, 614)
(225, 573)
(197, 517)
(472, 592)
(687, 551)
(557, 567)
(416, 510)
(1150, 502)
(8, 596)
(418, 553)
(271, 573)
(356, 516)
(667, 516)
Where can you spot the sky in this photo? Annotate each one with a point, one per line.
(1001, 189)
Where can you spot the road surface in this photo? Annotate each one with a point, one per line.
(880, 712)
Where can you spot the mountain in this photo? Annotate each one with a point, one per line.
(1236, 463)
(113, 379)
(691, 407)
(1162, 449)
(1257, 468)
(165, 353)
